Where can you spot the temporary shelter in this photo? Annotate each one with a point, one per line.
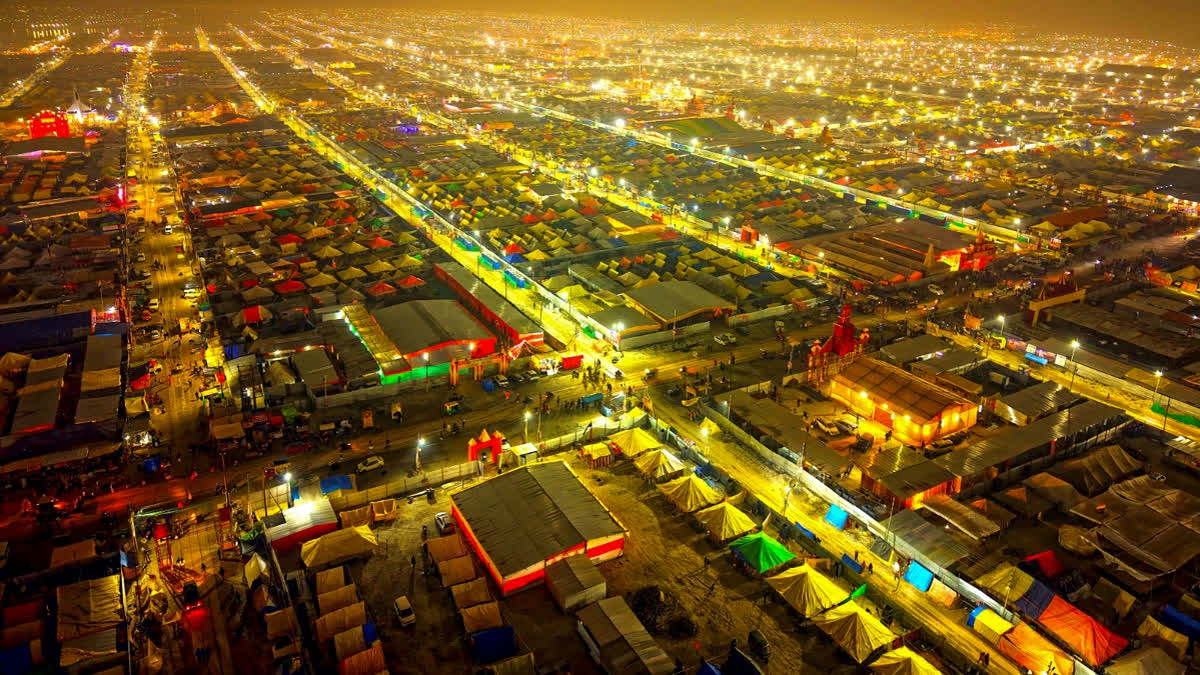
(339, 546)
(88, 607)
(330, 579)
(633, 442)
(456, 570)
(533, 516)
(618, 641)
(369, 662)
(725, 522)
(854, 630)
(1154, 633)
(1028, 648)
(337, 599)
(354, 641)
(302, 523)
(574, 582)
(282, 623)
(1096, 471)
(80, 551)
(355, 517)
(989, 624)
(446, 548)
(903, 661)
(471, 593)
(659, 465)
(383, 510)
(690, 493)
(761, 552)
(481, 617)
(806, 590)
(329, 625)
(1145, 661)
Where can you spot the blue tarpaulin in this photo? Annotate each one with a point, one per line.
(487, 261)
(836, 516)
(1177, 620)
(852, 564)
(974, 613)
(918, 576)
(805, 531)
(514, 258)
(1036, 600)
(370, 634)
(16, 661)
(334, 483)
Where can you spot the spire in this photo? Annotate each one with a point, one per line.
(78, 108)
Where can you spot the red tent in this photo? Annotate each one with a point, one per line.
(1048, 563)
(530, 219)
(289, 238)
(290, 286)
(1088, 637)
(381, 288)
(1028, 648)
(141, 382)
(379, 242)
(411, 280)
(513, 248)
(252, 314)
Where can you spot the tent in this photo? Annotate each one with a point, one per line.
(903, 661)
(659, 465)
(1025, 646)
(330, 579)
(854, 630)
(456, 570)
(1100, 468)
(337, 599)
(761, 552)
(725, 522)
(1005, 582)
(690, 493)
(806, 590)
(633, 442)
(989, 624)
(329, 625)
(445, 548)
(471, 593)
(1145, 661)
(482, 617)
(338, 547)
(1094, 643)
(1154, 633)
(369, 662)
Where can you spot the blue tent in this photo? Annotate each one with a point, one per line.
(333, 483)
(836, 516)
(918, 576)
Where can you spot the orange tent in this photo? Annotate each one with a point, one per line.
(1025, 646)
(1091, 640)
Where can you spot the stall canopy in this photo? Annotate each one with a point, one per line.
(456, 570)
(634, 442)
(1100, 468)
(761, 552)
(690, 493)
(89, 607)
(659, 464)
(338, 547)
(903, 661)
(1090, 640)
(1025, 646)
(807, 590)
(989, 624)
(854, 630)
(482, 617)
(446, 548)
(725, 521)
(1145, 661)
(962, 516)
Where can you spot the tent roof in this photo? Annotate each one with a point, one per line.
(1145, 661)
(658, 463)
(1088, 637)
(807, 590)
(339, 545)
(634, 442)
(690, 493)
(903, 661)
(854, 630)
(725, 521)
(761, 551)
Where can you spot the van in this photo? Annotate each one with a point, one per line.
(191, 293)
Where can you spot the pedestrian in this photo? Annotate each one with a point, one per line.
(982, 658)
(712, 588)
(870, 569)
(707, 562)
(413, 560)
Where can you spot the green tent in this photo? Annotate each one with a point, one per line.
(761, 552)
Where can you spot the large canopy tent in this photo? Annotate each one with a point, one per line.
(1028, 648)
(725, 522)
(1145, 661)
(659, 464)
(807, 590)
(338, 547)
(690, 493)
(761, 552)
(1094, 643)
(633, 442)
(854, 630)
(1096, 471)
(903, 661)
(532, 516)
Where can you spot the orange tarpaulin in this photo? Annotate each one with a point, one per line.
(1088, 637)
(1023, 645)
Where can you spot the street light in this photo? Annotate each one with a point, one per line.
(1074, 368)
(525, 433)
(287, 479)
(420, 444)
(425, 356)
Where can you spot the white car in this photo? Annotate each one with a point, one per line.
(404, 611)
(370, 464)
(725, 339)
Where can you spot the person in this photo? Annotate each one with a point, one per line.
(870, 568)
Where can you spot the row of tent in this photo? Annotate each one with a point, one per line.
(342, 618)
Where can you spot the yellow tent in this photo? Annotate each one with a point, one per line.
(339, 546)
(725, 521)
(807, 590)
(690, 493)
(337, 599)
(991, 626)
(854, 630)
(1006, 581)
(903, 661)
(634, 442)
(659, 464)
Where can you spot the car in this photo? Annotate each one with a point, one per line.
(164, 190)
(153, 305)
(936, 290)
(445, 525)
(141, 257)
(502, 381)
(825, 427)
(722, 340)
(167, 229)
(369, 464)
(404, 611)
(742, 330)
(846, 426)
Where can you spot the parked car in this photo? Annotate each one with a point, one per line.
(723, 340)
(936, 290)
(846, 426)
(445, 525)
(370, 464)
(404, 611)
(825, 427)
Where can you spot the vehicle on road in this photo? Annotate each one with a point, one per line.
(298, 447)
(404, 611)
(825, 427)
(154, 304)
(724, 339)
(936, 290)
(369, 464)
(445, 525)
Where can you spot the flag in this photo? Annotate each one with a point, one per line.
(857, 593)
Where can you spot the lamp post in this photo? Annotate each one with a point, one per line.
(420, 444)
(525, 433)
(821, 264)
(1074, 368)
(1157, 381)
(287, 479)
(425, 356)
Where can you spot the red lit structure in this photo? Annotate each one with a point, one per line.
(526, 519)
(49, 123)
(825, 360)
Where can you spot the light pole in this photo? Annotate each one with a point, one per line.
(1074, 367)
(525, 433)
(287, 479)
(420, 444)
(821, 263)
(425, 356)
(1157, 381)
